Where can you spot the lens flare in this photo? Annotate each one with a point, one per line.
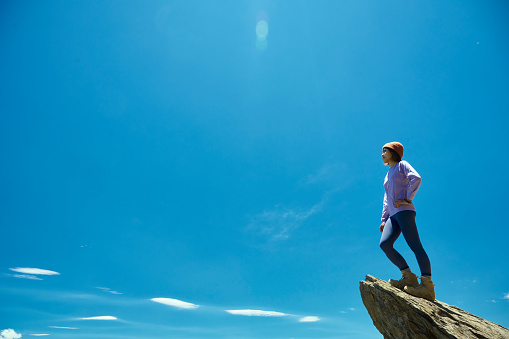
(262, 30)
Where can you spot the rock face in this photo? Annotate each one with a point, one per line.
(398, 315)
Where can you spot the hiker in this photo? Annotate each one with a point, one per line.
(398, 216)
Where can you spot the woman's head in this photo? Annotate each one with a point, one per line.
(392, 151)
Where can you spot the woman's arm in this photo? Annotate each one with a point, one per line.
(385, 210)
(414, 179)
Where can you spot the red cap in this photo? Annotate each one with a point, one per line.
(395, 146)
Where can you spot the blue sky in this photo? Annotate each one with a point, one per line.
(212, 169)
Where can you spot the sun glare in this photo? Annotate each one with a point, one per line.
(262, 30)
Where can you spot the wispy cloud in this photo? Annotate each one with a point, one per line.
(278, 224)
(175, 303)
(309, 319)
(506, 296)
(33, 271)
(332, 177)
(106, 289)
(24, 276)
(257, 313)
(9, 333)
(64, 327)
(102, 317)
(330, 173)
(39, 334)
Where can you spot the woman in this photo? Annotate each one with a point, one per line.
(398, 216)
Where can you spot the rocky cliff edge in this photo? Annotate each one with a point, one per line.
(398, 315)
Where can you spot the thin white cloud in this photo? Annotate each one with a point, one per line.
(309, 319)
(333, 177)
(106, 289)
(506, 296)
(34, 271)
(9, 333)
(175, 303)
(64, 327)
(257, 313)
(39, 334)
(24, 276)
(329, 173)
(102, 317)
(279, 223)
(351, 309)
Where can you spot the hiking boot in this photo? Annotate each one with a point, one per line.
(425, 290)
(408, 279)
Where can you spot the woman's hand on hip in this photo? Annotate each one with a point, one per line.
(382, 227)
(401, 202)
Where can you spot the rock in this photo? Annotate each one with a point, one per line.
(398, 315)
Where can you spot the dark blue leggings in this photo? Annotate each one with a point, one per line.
(404, 221)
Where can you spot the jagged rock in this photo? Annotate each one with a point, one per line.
(398, 315)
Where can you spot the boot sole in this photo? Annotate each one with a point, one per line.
(427, 297)
(391, 282)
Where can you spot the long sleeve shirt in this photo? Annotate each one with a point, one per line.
(401, 182)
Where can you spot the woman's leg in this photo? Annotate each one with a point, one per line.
(390, 234)
(406, 221)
